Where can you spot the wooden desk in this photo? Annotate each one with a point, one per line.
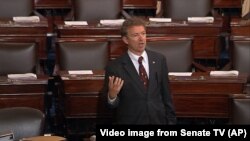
(92, 30)
(227, 3)
(204, 96)
(24, 93)
(132, 4)
(206, 35)
(240, 27)
(199, 96)
(53, 10)
(36, 31)
(84, 91)
(80, 102)
(194, 96)
(139, 4)
(206, 43)
(52, 4)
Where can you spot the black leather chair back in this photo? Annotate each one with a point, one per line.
(95, 10)
(82, 55)
(16, 57)
(11, 8)
(240, 113)
(181, 9)
(22, 121)
(241, 56)
(178, 52)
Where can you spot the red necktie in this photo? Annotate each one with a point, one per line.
(142, 72)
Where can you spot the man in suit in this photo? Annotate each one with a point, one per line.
(139, 100)
(245, 12)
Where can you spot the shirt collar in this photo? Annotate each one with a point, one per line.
(135, 57)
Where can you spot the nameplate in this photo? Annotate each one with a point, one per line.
(27, 19)
(117, 22)
(23, 76)
(201, 19)
(180, 73)
(80, 72)
(164, 20)
(75, 23)
(224, 73)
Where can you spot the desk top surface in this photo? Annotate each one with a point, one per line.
(216, 23)
(240, 27)
(197, 77)
(41, 79)
(239, 22)
(10, 23)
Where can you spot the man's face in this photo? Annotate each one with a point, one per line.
(136, 39)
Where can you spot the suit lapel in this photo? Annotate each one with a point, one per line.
(152, 69)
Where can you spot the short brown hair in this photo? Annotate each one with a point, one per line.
(133, 21)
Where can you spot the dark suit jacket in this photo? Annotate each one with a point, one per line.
(135, 104)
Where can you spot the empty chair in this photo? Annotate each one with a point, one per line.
(82, 54)
(240, 105)
(95, 10)
(11, 8)
(22, 121)
(178, 52)
(240, 56)
(19, 57)
(181, 9)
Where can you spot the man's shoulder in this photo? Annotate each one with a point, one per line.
(155, 54)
